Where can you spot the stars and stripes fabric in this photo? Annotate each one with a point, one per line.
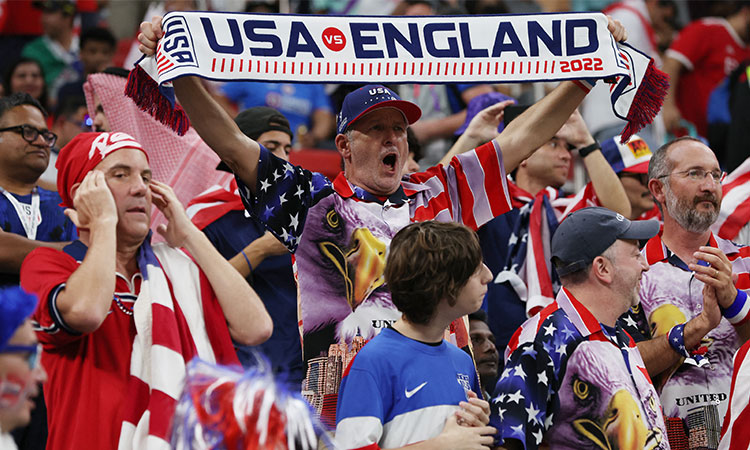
(735, 204)
(528, 268)
(735, 432)
(339, 234)
(284, 195)
(564, 375)
(166, 340)
(214, 203)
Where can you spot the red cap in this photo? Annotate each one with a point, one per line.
(85, 152)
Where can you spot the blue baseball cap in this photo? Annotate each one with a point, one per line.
(15, 307)
(588, 232)
(477, 104)
(371, 97)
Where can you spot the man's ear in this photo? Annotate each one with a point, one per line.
(657, 190)
(342, 145)
(603, 269)
(73, 191)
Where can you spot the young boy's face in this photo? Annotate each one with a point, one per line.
(470, 297)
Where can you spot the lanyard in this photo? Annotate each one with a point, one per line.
(29, 215)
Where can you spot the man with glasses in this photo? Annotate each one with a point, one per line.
(20, 370)
(693, 302)
(29, 215)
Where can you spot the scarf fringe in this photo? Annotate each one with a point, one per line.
(146, 94)
(646, 102)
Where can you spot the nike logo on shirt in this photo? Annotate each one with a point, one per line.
(409, 393)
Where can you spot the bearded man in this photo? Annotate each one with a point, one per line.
(693, 309)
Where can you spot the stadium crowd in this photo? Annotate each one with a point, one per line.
(438, 266)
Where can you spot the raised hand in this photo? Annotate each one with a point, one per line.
(617, 29)
(718, 274)
(93, 202)
(150, 34)
(179, 227)
(483, 126)
(575, 131)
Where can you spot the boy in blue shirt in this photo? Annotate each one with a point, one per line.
(408, 386)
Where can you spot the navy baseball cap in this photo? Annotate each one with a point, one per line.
(588, 232)
(368, 98)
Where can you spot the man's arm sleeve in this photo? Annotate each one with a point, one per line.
(473, 187)
(44, 273)
(283, 196)
(360, 411)
(690, 46)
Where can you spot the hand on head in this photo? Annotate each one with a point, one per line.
(94, 203)
(179, 226)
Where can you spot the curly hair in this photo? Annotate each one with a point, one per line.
(428, 262)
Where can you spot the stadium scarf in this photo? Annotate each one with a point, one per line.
(174, 323)
(392, 50)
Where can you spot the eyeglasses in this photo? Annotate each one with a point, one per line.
(30, 134)
(34, 353)
(699, 174)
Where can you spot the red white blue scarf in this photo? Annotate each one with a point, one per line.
(391, 50)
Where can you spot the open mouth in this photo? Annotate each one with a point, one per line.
(137, 209)
(390, 161)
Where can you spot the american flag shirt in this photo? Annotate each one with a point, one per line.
(339, 233)
(573, 383)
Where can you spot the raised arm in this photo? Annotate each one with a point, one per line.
(255, 252)
(607, 186)
(246, 316)
(540, 122)
(208, 118)
(659, 356)
(86, 299)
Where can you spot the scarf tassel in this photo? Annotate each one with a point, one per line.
(148, 97)
(647, 101)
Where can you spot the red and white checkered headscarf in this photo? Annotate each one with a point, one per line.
(83, 153)
(184, 162)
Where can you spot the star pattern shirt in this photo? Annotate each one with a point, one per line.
(339, 233)
(575, 384)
